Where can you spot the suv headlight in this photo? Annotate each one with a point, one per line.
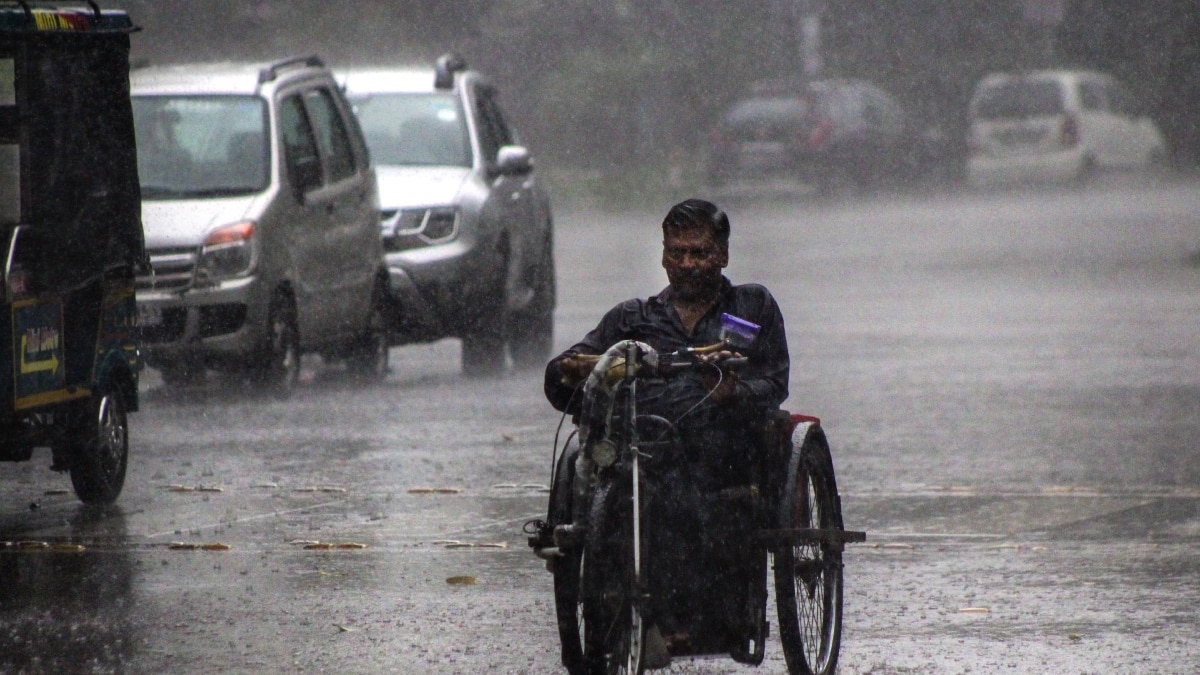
(414, 228)
(228, 252)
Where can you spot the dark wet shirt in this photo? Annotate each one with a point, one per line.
(763, 382)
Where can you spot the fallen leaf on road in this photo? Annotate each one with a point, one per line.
(973, 610)
(463, 580)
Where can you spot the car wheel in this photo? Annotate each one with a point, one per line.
(368, 359)
(277, 369)
(483, 345)
(483, 339)
(531, 331)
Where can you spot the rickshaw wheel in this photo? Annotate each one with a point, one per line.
(808, 576)
(101, 448)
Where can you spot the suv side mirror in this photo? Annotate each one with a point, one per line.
(513, 160)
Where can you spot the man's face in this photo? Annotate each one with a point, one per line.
(693, 259)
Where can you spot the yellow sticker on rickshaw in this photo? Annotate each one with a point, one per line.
(59, 20)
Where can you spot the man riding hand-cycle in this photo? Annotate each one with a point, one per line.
(716, 415)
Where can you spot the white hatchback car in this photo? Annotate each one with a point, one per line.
(1056, 126)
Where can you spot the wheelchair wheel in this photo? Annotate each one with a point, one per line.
(568, 606)
(568, 568)
(808, 576)
(614, 630)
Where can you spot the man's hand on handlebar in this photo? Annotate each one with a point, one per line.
(575, 368)
(717, 357)
(724, 384)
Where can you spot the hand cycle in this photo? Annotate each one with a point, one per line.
(592, 539)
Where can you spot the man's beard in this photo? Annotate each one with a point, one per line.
(695, 287)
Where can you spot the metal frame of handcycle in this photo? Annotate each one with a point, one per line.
(795, 459)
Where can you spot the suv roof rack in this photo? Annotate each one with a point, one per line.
(270, 72)
(445, 68)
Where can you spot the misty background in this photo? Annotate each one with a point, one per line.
(608, 92)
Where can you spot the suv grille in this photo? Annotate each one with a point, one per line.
(173, 270)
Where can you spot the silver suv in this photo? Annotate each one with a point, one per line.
(466, 228)
(261, 216)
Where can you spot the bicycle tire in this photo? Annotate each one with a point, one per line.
(614, 630)
(808, 576)
(568, 570)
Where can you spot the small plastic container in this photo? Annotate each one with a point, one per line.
(738, 333)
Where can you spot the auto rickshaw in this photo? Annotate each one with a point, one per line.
(70, 229)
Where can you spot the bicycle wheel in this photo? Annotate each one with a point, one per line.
(808, 576)
(568, 571)
(568, 606)
(614, 630)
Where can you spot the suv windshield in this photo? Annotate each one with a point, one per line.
(201, 146)
(1020, 99)
(414, 129)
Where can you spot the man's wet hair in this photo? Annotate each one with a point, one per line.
(697, 213)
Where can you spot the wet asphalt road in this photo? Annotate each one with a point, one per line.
(1010, 382)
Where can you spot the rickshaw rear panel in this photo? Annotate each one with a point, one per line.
(70, 227)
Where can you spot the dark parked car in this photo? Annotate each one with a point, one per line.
(836, 135)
